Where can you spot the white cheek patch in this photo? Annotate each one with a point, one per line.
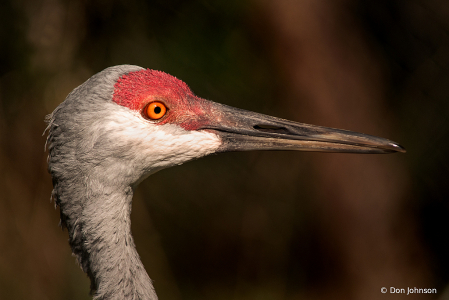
(169, 145)
(153, 147)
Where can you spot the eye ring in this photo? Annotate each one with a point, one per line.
(155, 110)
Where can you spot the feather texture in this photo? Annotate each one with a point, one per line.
(98, 152)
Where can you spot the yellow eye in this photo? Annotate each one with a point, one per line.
(155, 110)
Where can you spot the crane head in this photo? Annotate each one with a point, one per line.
(138, 121)
(126, 123)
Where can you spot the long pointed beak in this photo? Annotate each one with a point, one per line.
(242, 130)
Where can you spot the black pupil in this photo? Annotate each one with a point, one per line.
(157, 110)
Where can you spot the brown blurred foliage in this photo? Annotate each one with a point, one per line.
(259, 225)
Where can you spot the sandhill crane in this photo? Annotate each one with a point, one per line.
(126, 123)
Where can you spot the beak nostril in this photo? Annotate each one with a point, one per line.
(271, 129)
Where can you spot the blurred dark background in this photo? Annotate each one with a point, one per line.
(256, 225)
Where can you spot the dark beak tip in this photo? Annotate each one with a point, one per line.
(398, 148)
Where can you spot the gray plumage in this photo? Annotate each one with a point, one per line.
(100, 150)
(93, 191)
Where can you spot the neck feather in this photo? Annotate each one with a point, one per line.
(99, 226)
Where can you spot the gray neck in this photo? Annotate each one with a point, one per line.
(100, 235)
(92, 171)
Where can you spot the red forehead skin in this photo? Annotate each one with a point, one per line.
(136, 89)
